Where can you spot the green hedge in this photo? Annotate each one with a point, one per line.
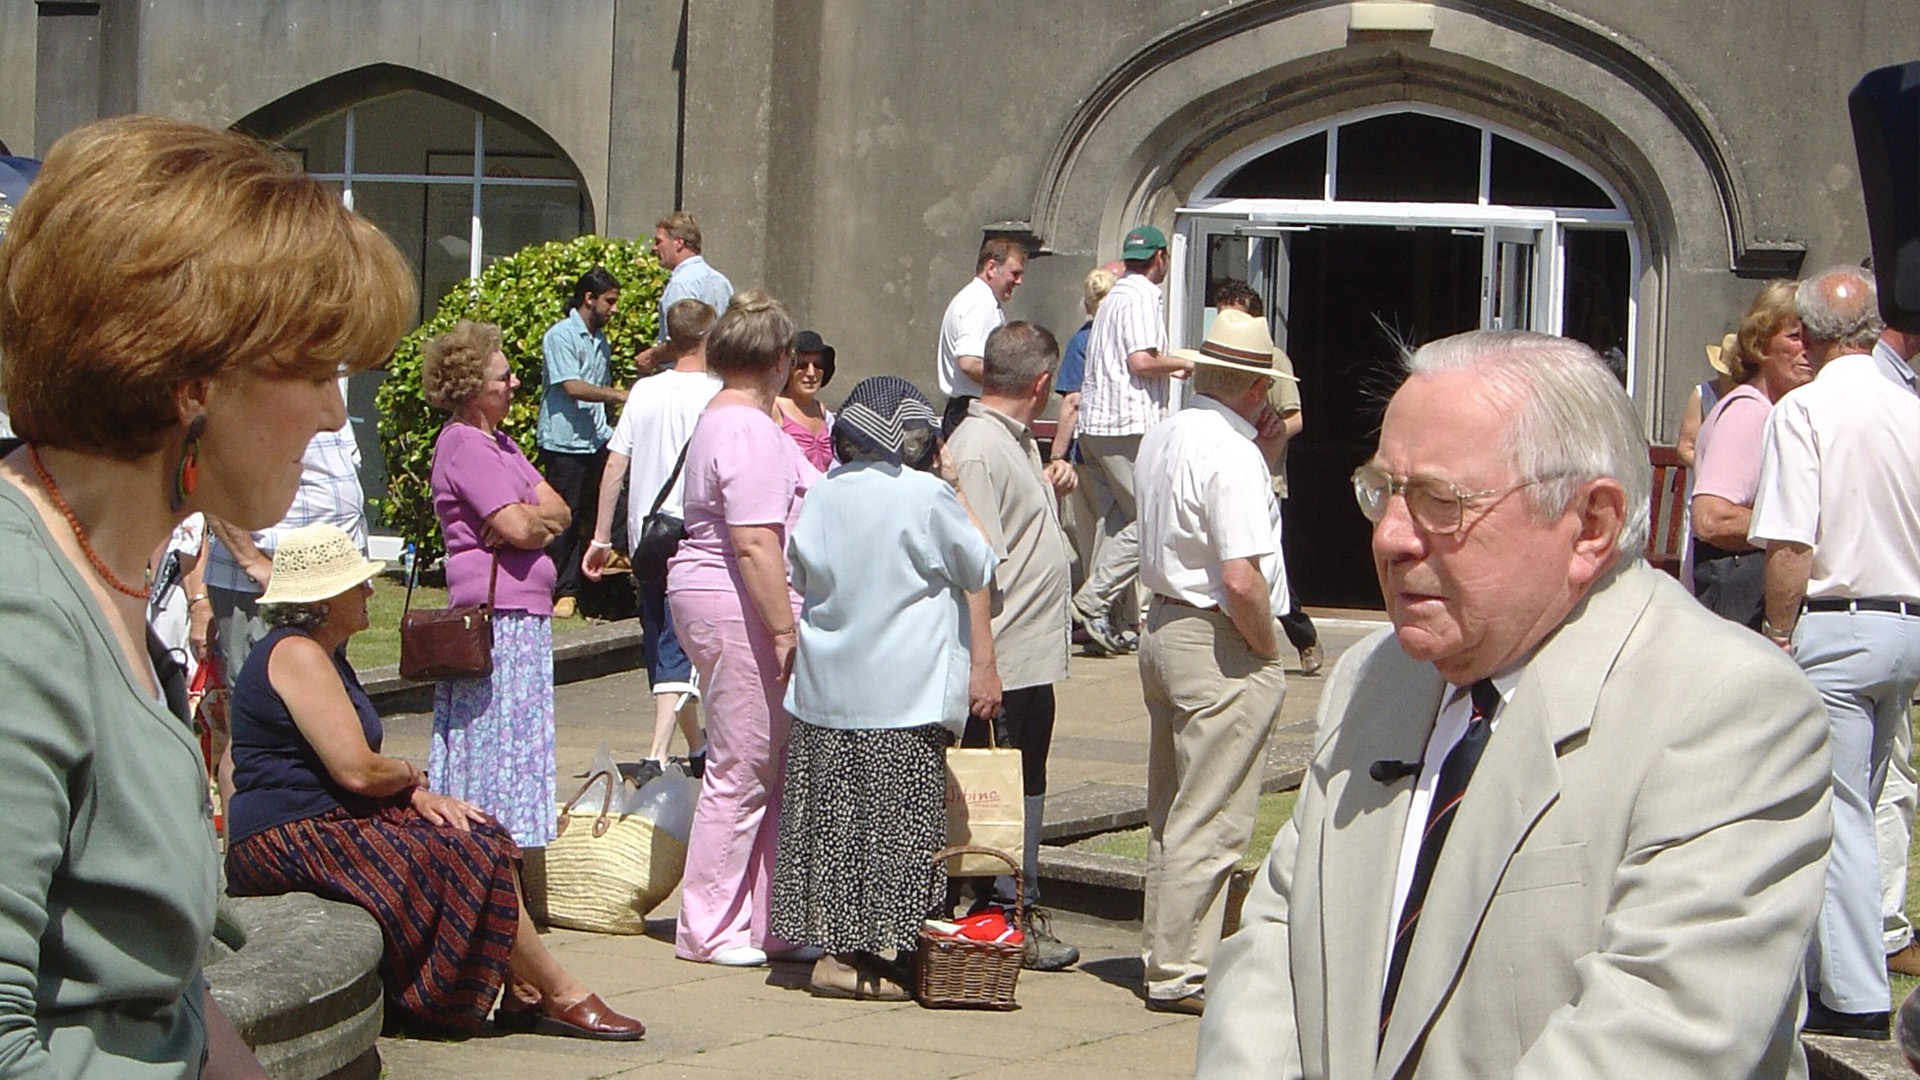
(523, 294)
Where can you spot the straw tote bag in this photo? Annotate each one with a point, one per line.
(604, 870)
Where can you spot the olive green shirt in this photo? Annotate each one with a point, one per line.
(998, 465)
(108, 875)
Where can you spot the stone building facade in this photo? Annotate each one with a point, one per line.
(1625, 171)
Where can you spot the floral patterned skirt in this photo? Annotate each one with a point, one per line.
(493, 737)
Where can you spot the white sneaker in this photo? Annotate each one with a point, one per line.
(744, 956)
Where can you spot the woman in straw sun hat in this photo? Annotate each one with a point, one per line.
(318, 808)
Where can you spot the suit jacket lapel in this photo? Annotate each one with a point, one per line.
(1518, 778)
(1390, 717)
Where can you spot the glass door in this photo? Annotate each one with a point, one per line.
(1513, 286)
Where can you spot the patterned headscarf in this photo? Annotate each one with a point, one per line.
(880, 411)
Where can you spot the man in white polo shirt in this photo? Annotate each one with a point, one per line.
(1210, 654)
(973, 313)
(1128, 389)
(1838, 512)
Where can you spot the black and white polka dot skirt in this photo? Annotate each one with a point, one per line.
(860, 816)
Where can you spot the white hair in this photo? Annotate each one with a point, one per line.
(1840, 305)
(1572, 422)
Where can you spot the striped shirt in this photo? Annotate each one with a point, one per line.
(329, 491)
(1113, 400)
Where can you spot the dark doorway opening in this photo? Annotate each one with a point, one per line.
(1355, 293)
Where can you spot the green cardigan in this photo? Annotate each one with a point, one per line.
(108, 873)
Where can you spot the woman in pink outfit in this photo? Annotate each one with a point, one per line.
(734, 612)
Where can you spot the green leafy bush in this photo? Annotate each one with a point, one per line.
(523, 294)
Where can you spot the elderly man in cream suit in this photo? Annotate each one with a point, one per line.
(1630, 796)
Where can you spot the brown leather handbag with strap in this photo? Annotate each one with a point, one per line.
(450, 643)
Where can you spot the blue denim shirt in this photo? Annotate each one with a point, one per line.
(574, 352)
(693, 279)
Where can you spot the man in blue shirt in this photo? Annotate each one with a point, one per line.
(573, 428)
(676, 243)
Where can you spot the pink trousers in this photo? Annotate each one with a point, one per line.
(729, 876)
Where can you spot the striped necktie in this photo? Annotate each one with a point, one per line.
(1447, 792)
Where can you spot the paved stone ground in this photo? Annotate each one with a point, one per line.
(710, 1023)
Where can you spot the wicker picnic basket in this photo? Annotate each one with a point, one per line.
(955, 973)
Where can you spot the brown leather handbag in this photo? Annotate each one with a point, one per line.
(451, 643)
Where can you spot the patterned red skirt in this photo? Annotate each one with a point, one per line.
(444, 899)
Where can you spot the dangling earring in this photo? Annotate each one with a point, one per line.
(186, 479)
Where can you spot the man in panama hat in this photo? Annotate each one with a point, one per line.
(1210, 647)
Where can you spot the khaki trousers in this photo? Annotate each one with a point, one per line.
(1212, 705)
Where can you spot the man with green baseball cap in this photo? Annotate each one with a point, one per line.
(1128, 389)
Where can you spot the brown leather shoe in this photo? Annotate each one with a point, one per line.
(1192, 1004)
(1906, 961)
(590, 1018)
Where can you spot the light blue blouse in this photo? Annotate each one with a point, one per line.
(883, 558)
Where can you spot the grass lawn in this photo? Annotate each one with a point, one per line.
(1275, 809)
(1902, 985)
(379, 644)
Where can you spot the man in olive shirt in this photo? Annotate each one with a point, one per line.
(1019, 625)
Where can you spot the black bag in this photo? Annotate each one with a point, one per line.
(451, 643)
(660, 533)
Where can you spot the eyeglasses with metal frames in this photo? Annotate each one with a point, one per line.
(1438, 506)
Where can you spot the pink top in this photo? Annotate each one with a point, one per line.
(817, 445)
(475, 474)
(1727, 450)
(741, 470)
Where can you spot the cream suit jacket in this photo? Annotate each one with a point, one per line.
(1627, 890)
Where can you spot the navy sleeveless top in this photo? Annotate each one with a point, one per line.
(277, 776)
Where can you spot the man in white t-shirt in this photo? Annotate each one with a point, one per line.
(647, 444)
(973, 313)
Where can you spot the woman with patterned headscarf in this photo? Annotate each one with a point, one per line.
(883, 556)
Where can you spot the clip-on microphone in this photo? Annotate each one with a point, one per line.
(1387, 771)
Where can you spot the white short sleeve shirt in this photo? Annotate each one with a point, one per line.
(1205, 496)
(972, 314)
(1840, 471)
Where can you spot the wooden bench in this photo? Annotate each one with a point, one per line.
(1667, 540)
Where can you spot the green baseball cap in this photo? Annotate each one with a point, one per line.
(1142, 242)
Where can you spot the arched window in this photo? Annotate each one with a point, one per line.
(453, 185)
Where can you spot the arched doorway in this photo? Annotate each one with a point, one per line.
(1386, 227)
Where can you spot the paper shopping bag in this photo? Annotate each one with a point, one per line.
(985, 808)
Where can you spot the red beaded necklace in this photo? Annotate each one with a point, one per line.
(73, 522)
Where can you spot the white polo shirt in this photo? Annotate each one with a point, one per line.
(1205, 496)
(1113, 400)
(972, 314)
(1840, 471)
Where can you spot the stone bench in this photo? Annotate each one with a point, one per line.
(296, 975)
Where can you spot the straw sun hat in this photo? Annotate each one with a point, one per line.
(314, 563)
(1239, 341)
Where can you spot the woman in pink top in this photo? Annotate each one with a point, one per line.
(1769, 359)
(493, 742)
(734, 612)
(802, 417)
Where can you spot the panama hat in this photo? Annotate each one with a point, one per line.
(1239, 341)
(1717, 355)
(314, 563)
